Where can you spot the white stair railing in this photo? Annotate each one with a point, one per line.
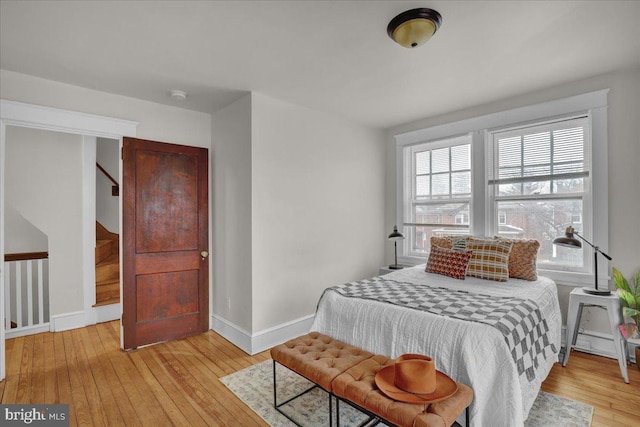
(26, 278)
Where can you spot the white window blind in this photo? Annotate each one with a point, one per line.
(539, 186)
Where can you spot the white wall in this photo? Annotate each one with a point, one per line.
(43, 175)
(299, 198)
(624, 172)
(317, 207)
(107, 206)
(21, 235)
(231, 251)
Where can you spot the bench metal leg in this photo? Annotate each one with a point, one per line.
(330, 412)
(277, 405)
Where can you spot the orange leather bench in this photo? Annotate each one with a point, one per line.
(348, 372)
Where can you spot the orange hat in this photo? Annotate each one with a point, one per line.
(414, 379)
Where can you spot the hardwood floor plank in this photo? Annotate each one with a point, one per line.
(170, 408)
(147, 408)
(107, 353)
(190, 385)
(63, 382)
(109, 408)
(79, 398)
(13, 351)
(177, 383)
(10, 389)
(202, 367)
(50, 383)
(188, 407)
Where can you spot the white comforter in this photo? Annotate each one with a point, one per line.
(472, 353)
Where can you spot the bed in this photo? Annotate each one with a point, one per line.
(501, 338)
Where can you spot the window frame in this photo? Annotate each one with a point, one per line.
(585, 196)
(592, 105)
(409, 190)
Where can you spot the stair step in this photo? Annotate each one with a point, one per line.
(107, 302)
(108, 285)
(104, 249)
(107, 291)
(109, 269)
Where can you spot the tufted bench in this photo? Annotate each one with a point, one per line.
(348, 373)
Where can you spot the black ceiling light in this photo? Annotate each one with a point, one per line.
(414, 27)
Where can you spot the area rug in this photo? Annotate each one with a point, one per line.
(254, 386)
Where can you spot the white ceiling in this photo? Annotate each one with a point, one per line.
(333, 56)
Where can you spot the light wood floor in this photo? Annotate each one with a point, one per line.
(176, 383)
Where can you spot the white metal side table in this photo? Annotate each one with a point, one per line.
(577, 300)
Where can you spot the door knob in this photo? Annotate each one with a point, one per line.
(204, 254)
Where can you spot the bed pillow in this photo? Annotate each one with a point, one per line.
(442, 241)
(449, 242)
(448, 262)
(523, 257)
(490, 259)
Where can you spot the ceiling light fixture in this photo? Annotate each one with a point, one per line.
(414, 27)
(178, 95)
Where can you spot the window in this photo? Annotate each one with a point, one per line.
(502, 218)
(438, 189)
(462, 218)
(524, 173)
(539, 179)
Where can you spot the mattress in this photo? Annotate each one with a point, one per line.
(467, 350)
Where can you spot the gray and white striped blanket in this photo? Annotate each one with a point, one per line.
(520, 321)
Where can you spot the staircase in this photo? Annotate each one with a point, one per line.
(107, 266)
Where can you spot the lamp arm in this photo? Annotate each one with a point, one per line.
(595, 248)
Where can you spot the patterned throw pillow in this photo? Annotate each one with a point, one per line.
(490, 259)
(522, 259)
(448, 262)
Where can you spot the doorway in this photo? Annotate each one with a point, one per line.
(89, 127)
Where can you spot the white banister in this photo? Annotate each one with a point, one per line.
(25, 287)
(40, 294)
(29, 293)
(18, 290)
(7, 297)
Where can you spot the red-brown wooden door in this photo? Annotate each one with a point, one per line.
(165, 242)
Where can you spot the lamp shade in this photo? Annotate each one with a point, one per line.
(396, 235)
(414, 27)
(568, 240)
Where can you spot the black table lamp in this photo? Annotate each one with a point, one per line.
(395, 236)
(571, 242)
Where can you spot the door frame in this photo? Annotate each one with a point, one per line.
(89, 126)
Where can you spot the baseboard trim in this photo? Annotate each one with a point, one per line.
(270, 337)
(66, 321)
(106, 313)
(263, 340)
(232, 332)
(29, 330)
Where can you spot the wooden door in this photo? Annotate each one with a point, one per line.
(165, 285)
